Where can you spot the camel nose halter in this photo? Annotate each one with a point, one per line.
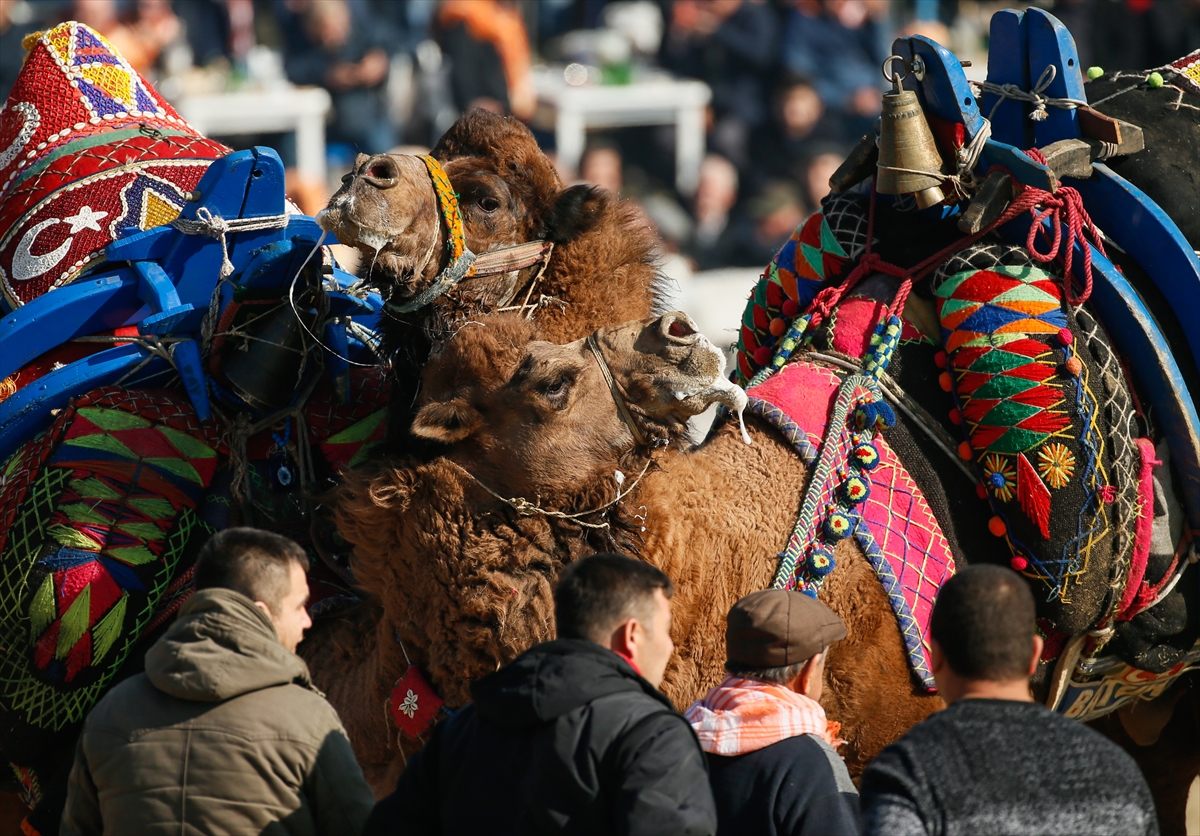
(463, 262)
(617, 395)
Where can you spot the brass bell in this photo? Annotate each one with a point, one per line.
(906, 149)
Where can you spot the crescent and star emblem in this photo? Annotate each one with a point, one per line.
(26, 265)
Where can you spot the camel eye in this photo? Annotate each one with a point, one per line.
(556, 391)
(489, 204)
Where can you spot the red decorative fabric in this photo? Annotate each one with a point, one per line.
(414, 704)
(87, 149)
(1033, 495)
(908, 549)
(1144, 530)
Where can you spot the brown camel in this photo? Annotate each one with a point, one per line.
(600, 270)
(465, 580)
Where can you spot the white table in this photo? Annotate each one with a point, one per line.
(301, 110)
(659, 100)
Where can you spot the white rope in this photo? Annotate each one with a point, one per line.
(1035, 97)
(525, 508)
(214, 226)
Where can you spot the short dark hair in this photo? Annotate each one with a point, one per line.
(597, 593)
(249, 561)
(984, 619)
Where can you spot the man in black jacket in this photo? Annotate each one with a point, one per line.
(573, 736)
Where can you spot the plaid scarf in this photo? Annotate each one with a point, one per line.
(745, 715)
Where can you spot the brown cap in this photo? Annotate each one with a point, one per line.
(774, 628)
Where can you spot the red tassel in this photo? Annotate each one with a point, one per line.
(1033, 495)
(414, 704)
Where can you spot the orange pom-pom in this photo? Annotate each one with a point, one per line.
(997, 526)
(778, 326)
(965, 452)
(945, 381)
(1074, 366)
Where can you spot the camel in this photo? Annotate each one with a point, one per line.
(580, 258)
(464, 579)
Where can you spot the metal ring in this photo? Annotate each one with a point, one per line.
(895, 78)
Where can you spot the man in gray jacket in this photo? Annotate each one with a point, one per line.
(224, 732)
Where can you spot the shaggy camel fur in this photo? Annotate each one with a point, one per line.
(466, 582)
(601, 270)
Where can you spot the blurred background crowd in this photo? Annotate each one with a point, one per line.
(793, 83)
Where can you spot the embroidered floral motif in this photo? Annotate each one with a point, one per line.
(1000, 475)
(1056, 464)
(409, 706)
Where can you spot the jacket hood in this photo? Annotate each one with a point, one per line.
(552, 679)
(221, 646)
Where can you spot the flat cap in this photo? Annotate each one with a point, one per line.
(774, 628)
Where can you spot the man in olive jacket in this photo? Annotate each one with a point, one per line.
(224, 732)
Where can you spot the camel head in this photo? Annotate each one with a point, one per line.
(533, 418)
(508, 194)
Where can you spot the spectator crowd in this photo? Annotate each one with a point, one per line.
(794, 83)
(225, 733)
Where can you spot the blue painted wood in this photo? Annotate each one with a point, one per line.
(1138, 337)
(265, 197)
(1050, 44)
(944, 92)
(142, 245)
(28, 411)
(194, 261)
(155, 287)
(1008, 64)
(84, 307)
(180, 319)
(1018, 164)
(1142, 229)
(191, 371)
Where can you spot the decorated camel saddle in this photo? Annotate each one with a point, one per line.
(986, 354)
(177, 355)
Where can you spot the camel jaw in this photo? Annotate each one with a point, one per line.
(720, 390)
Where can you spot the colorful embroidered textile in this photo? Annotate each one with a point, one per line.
(1049, 423)
(893, 523)
(745, 715)
(87, 150)
(819, 252)
(1187, 71)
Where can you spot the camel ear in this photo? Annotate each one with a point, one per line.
(574, 212)
(447, 422)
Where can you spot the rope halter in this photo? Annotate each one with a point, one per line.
(464, 263)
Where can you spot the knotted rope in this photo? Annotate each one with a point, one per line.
(525, 508)
(1080, 229)
(1064, 207)
(214, 226)
(1034, 96)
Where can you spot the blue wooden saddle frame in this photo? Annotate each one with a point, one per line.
(162, 281)
(1023, 44)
